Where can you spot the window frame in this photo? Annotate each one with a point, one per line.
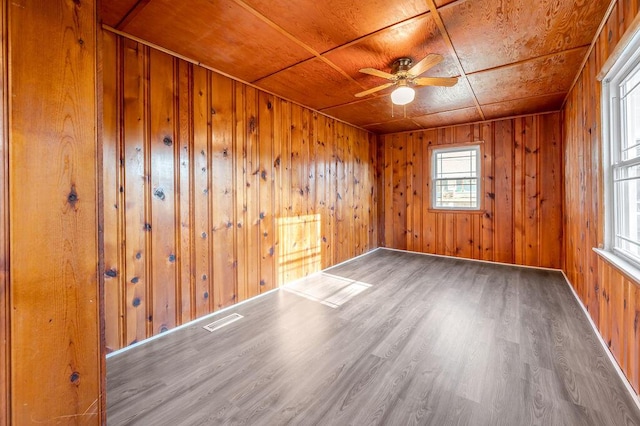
(478, 146)
(627, 64)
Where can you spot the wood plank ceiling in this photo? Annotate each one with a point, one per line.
(512, 57)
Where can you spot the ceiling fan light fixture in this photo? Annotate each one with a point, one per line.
(403, 95)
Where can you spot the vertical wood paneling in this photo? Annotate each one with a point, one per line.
(419, 193)
(253, 200)
(399, 188)
(56, 358)
(340, 194)
(201, 176)
(266, 187)
(516, 199)
(609, 296)
(503, 224)
(5, 343)
(161, 193)
(227, 191)
(134, 117)
(184, 252)
(485, 241)
(241, 182)
(550, 178)
(429, 218)
(222, 198)
(632, 322)
(113, 284)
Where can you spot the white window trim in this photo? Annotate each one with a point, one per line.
(478, 177)
(628, 59)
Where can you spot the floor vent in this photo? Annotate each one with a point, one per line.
(222, 322)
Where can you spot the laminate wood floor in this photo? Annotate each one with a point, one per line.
(390, 338)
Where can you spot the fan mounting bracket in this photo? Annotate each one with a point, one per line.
(402, 65)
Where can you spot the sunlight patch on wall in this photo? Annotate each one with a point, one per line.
(299, 250)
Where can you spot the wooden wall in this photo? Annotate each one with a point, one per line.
(5, 348)
(52, 361)
(521, 219)
(610, 298)
(216, 192)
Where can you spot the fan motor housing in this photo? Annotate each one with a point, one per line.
(402, 65)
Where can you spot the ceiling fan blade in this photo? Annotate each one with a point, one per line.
(435, 81)
(375, 89)
(377, 73)
(429, 61)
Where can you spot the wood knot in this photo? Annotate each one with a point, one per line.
(206, 295)
(135, 280)
(111, 273)
(159, 193)
(136, 302)
(72, 198)
(167, 141)
(147, 227)
(74, 377)
(172, 258)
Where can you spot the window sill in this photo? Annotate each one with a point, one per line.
(625, 267)
(456, 211)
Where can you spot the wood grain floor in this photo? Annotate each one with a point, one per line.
(390, 338)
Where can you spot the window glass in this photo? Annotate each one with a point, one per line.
(456, 178)
(622, 170)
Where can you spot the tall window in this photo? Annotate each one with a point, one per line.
(456, 178)
(621, 114)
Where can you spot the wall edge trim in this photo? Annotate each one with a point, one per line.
(106, 27)
(605, 18)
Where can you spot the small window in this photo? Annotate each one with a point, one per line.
(455, 178)
(621, 119)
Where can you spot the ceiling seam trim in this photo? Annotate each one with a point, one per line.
(445, 35)
(605, 18)
(525, 61)
(295, 40)
(137, 8)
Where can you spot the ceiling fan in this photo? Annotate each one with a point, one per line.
(405, 76)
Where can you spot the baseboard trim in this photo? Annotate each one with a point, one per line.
(227, 309)
(188, 324)
(613, 360)
(492, 262)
